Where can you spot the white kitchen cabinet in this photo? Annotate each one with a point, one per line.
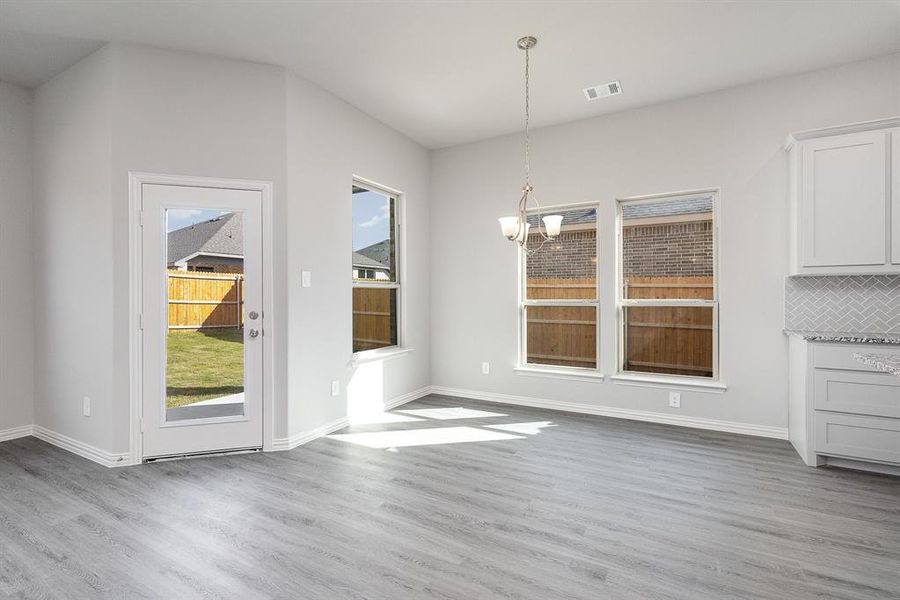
(846, 199)
(843, 412)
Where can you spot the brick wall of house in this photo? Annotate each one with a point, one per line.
(571, 256)
(671, 249)
(216, 264)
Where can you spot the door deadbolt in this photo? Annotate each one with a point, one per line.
(253, 315)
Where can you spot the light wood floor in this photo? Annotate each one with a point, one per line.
(573, 507)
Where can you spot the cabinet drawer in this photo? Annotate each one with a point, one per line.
(876, 394)
(840, 356)
(854, 436)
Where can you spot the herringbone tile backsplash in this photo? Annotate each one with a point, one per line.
(846, 304)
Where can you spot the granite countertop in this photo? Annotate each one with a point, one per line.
(889, 363)
(846, 337)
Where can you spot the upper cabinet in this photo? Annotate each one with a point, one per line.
(845, 185)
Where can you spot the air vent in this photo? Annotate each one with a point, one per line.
(613, 88)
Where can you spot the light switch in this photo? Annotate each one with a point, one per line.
(306, 279)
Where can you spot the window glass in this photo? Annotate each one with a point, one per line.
(560, 291)
(667, 248)
(374, 243)
(562, 335)
(375, 272)
(566, 267)
(668, 282)
(672, 340)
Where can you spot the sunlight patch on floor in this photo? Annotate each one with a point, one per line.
(423, 437)
(527, 428)
(448, 414)
(382, 418)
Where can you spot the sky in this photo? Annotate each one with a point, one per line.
(176, 218)
(371, 219)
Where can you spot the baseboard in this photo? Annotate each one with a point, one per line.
(16, 432)
(859, 465)
(408, 397)
(780, 433)
(289, 443)
(102, 457)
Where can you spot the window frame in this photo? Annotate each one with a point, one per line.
(523, 365)
(399, 272)
(622, 303)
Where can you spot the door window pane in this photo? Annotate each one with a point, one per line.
(677, 340)
(205, 337)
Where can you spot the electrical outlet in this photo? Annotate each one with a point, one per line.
(86, 406)
(335, 388)
(675, 399)
(485, 368)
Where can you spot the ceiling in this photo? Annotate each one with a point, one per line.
(449, 72)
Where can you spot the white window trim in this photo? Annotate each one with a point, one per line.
(713, 383)
(696, 384)
(523, 367)
(399, 283)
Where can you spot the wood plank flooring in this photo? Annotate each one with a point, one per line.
(566, 507)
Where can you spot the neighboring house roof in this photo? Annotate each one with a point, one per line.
(668, 208)
(222, 235)
(380, 253)
(360, 260)
(576, 216)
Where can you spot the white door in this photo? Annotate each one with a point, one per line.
(844, 200)
(202, 320)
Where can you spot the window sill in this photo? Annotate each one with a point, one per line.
(379, 354)
(559, 374)
(697, 385)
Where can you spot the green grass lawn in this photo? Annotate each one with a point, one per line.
(203, 364)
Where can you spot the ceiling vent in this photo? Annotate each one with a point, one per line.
(613, 88)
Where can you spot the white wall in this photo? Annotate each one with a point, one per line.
(189, 114)
(73, 259)
(130, 108)
(731, 139)
(330, 142)
(16, 284)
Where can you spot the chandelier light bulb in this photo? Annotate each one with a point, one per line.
(509, 226)
(552, 225)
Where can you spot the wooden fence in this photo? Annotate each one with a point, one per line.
(674, 340)
(374, 318)
(205, 300)
(562, 335)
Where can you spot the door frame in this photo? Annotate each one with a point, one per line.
(136, 181)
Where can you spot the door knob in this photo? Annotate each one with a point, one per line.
(254, 333)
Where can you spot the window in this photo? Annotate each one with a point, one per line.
(667, 300)
(559, 308)
(376, 281)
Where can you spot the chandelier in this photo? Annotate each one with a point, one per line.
(516, 229)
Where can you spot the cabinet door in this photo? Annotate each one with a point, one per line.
(844, 201)
(895, 196)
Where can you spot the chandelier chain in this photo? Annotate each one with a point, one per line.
(527, 119)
